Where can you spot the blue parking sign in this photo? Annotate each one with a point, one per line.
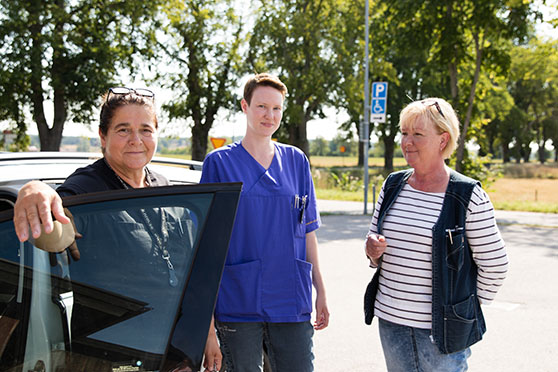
(379, 102)
(379, 90)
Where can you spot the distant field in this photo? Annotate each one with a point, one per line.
(529, 195)
(350, 161)
(524, 187)
(523, 194)
(177, 156)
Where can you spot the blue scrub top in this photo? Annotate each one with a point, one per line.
(266, 276)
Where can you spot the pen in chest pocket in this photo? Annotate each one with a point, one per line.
(456, 230)
(303, 200)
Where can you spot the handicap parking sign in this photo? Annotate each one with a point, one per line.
(379, 102)
(378, 106)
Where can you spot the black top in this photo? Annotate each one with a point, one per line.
(100, 177)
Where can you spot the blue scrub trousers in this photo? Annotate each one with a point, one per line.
(289, 346)
(408, 349)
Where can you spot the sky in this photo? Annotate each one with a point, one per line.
(234, 125)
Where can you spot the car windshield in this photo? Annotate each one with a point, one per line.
(113, 309)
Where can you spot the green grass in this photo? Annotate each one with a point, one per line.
(336, 194)
(176, 156)
(524, 206)
(525, 187)
(350, 161)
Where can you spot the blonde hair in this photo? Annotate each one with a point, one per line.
(438, 112)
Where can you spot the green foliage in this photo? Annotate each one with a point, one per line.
(203, 47)
(478, 168)
(67, 53)
(294, 40)
(319, 147)
(346, 182)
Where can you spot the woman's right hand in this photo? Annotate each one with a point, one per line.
(212, 353)
(375, 247)
(36, 203)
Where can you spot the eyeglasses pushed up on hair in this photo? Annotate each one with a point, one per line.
(142, 92)
(426, 102)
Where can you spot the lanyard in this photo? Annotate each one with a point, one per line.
(161, 243)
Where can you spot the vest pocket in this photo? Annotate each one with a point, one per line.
(240, 291)
(460, 325)
(456, 249)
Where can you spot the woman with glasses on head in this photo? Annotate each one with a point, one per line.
(154, 241)
(128, 132)
(436, 248)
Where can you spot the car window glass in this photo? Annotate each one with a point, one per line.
(113, 308)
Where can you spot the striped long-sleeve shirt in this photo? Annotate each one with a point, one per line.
(405, 285)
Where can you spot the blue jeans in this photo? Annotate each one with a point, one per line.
(408, 349)
(289, 346)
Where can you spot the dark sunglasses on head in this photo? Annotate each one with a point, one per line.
(427, 103)
(123, 91)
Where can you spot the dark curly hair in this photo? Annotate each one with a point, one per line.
(115, 101)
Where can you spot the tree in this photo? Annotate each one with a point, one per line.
(477, 30)
(319, 147)
(67, 53)
(294, 40)
(463, 40)
(533, 84)
(204, 53)
(350, 51)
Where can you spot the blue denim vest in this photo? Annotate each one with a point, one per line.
(457, 320)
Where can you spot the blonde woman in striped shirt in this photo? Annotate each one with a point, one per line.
(437, 249)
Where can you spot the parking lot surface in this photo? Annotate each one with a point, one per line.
(522, 324)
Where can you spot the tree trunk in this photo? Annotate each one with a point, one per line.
(301, 140)
(525, 153)
(506, 152)
(53, 137)
(50, 138)
(37, 94)
(199, 141)
(542, 152)
(389, 148)
(452, 66)
(463, 137)
(360, 153)
(298, 133)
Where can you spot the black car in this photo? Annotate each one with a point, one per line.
(141, 294)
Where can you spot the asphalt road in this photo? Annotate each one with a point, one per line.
(522, 329)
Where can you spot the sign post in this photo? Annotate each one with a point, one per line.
(365, 127)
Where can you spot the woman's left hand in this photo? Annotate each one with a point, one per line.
(322, 313)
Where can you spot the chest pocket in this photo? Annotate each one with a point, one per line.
(455, 242)
(299, 216)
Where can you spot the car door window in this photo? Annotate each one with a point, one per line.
(117, 306)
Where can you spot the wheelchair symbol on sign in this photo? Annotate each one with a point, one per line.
(377, 108)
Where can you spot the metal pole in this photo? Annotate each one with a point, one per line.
(365, 135)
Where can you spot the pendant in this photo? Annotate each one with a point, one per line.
(173, 280)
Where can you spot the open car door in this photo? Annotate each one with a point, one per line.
(141, 295)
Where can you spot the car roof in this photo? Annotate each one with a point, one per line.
(53, 167)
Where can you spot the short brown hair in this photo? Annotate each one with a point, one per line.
(263, 80)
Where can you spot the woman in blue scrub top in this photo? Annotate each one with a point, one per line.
(265, 296)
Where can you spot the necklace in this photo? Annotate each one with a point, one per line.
(161, 242)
